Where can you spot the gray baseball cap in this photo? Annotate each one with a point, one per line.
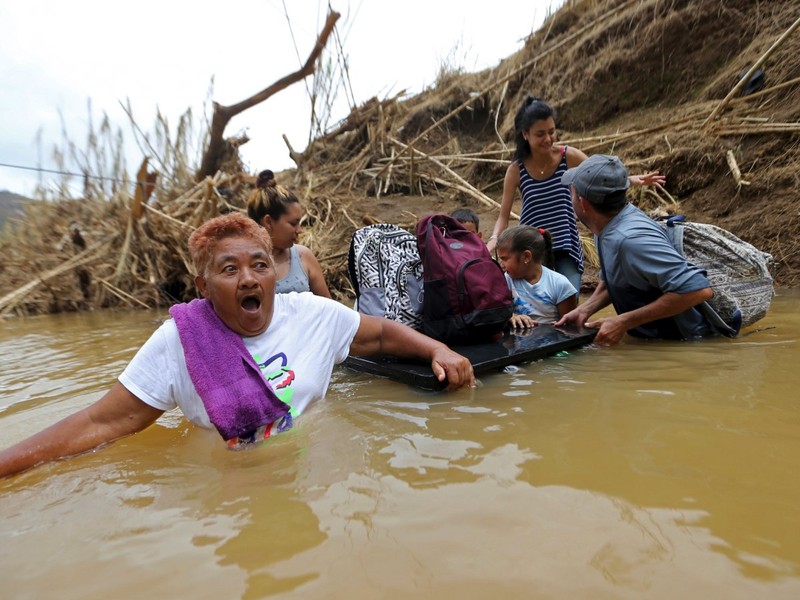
(597, 177)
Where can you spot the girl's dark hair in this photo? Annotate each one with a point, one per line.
(532, 110)
(524, 237)
(269, 198)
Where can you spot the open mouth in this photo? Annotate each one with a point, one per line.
(251, 303)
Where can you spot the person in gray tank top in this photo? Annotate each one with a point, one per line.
(277, 209)
(297, 278)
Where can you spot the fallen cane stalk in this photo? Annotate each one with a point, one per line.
(737, 174)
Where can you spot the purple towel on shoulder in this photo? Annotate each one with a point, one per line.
(237, 397)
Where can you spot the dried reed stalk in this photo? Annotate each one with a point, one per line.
(10, 300)
(746, 77)
(124, 296)
(166, 217)
(734, 166)
(760, 129)
(766, 91)
(613, 139)
(460, 183)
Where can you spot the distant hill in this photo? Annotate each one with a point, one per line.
(11, 205)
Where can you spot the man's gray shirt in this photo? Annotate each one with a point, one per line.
(639, 264)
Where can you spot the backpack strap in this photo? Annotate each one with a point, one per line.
(716, 322)
(674, 219)
(351, 265)
(675, 234)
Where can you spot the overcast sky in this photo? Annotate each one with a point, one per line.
(55, 56)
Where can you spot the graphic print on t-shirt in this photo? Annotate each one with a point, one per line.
(280, 377)
(277, 372)
(523, 306)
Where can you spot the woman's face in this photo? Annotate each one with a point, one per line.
(541, 135)
(240, 283)
(285, 230)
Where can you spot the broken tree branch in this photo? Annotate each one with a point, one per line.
(223, 114)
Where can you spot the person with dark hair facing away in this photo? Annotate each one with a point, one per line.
(468, 218)
(278, 210)
(243, 360)
(540, 294)
(536, 171)
(654, 290)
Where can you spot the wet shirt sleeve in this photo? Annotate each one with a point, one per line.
(345, 323)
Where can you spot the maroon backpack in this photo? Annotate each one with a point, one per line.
(466, 298)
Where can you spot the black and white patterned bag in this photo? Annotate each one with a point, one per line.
(386, 273)
(740, 274)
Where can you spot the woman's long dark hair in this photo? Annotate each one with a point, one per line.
(532, 110)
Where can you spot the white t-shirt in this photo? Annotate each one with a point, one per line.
(307, 336)
(540, 300)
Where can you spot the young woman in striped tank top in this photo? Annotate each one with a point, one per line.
(536, 171)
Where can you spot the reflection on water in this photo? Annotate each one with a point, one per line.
(651, 469)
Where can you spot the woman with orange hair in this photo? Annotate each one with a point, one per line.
(243, 360)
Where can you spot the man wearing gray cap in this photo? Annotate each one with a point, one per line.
(653, 289)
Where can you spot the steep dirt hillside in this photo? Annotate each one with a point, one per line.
(638, 79)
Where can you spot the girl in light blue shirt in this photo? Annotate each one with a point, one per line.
(541, 295)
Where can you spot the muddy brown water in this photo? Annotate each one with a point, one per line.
(656, 470)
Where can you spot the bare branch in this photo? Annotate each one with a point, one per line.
(223, 114)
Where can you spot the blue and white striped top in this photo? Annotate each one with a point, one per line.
(547, 204)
